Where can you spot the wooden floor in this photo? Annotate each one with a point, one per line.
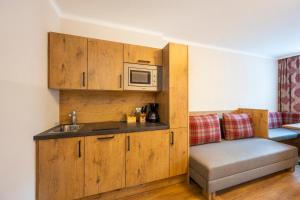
(280, 186)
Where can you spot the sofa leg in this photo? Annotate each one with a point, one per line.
(292, 169)
(209, 196)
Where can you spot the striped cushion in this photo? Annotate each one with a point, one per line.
(204, 129)
(275, 120)
(237, 126)
(290, 117)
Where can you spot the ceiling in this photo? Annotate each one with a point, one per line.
(269, 28)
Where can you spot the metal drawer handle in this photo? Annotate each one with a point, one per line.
(79, 149)
(143, 61)
(172, 137)
(128, 143)
(106, 138)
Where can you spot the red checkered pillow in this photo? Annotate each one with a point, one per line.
(237, 126)
(275, 120)
(290, 117)
(204, 129)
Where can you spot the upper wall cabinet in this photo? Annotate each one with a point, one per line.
(105, 65)
(142, 55)
(67, 61)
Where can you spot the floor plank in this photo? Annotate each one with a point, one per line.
(280, 186)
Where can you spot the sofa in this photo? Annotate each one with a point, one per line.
(275, 122)
(226, 163)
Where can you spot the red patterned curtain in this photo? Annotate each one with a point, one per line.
(289, 84)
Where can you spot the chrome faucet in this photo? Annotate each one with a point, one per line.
(73, 117)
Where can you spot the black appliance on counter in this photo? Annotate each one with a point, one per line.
(152, 114)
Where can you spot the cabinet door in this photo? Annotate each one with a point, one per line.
(142, 55)
(178, 151)
(178, 86)
(67, 61)
(60, 173)
(147, 157)
(105, 65)
(104, 163)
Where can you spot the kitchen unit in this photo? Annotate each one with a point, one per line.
(107, 157)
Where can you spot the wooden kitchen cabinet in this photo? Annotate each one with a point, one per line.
(178, 151)
(67, 61)
(142, 55)
(147, 157)
(60, 169)
(178, 85)
(105, 65)
(174, 96)
(104, 163)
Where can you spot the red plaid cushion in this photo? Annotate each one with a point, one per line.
(275, 120)
(237, 126)
(204, 129)
(290, 117)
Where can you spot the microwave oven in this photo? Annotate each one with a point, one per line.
(142, 77)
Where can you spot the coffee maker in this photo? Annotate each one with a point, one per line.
(152, 114)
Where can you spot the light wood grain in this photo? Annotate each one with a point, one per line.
(218, 112)
(163, 96)
(67, 61)
(178, 151)
(178, 100)
(259, 119)
(99, 106)
(104, 163)
(142, 55)
(125, 192)
(282, 185)
(147, 157)
(105, 65)
(60, 169)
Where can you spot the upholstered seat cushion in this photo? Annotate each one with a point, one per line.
(280, 134)
(218, 160)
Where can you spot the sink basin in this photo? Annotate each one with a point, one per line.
(66, 128)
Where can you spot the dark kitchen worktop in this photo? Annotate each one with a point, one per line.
(89, 129)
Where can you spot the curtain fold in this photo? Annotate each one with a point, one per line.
(289, 84)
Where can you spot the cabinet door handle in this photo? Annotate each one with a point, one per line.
(106, 138)
(128, 143)
(79, 149)
(144, 61)
(120, 80)
(83, 79)
(172, 138)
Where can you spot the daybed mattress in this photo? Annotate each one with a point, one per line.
(280, 134)
(217, 160)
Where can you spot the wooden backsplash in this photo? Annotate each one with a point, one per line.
(98, 106)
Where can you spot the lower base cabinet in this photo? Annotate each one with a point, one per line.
(73, 168)
(147, 157)
(60, 169)
(104, 163)
(178, 151)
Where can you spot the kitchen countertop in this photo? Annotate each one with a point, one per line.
(101, 128)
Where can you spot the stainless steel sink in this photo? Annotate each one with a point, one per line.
(66, 128)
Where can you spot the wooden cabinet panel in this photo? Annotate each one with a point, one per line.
(147, 157)
(67, 61)
(105, 65)
(104, 163)
(142, 55)
(178, 86)
(178, 151)
(60, 169)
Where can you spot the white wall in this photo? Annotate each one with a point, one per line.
(220, 80)
(27, 106)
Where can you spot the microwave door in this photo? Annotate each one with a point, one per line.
(139, 77)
